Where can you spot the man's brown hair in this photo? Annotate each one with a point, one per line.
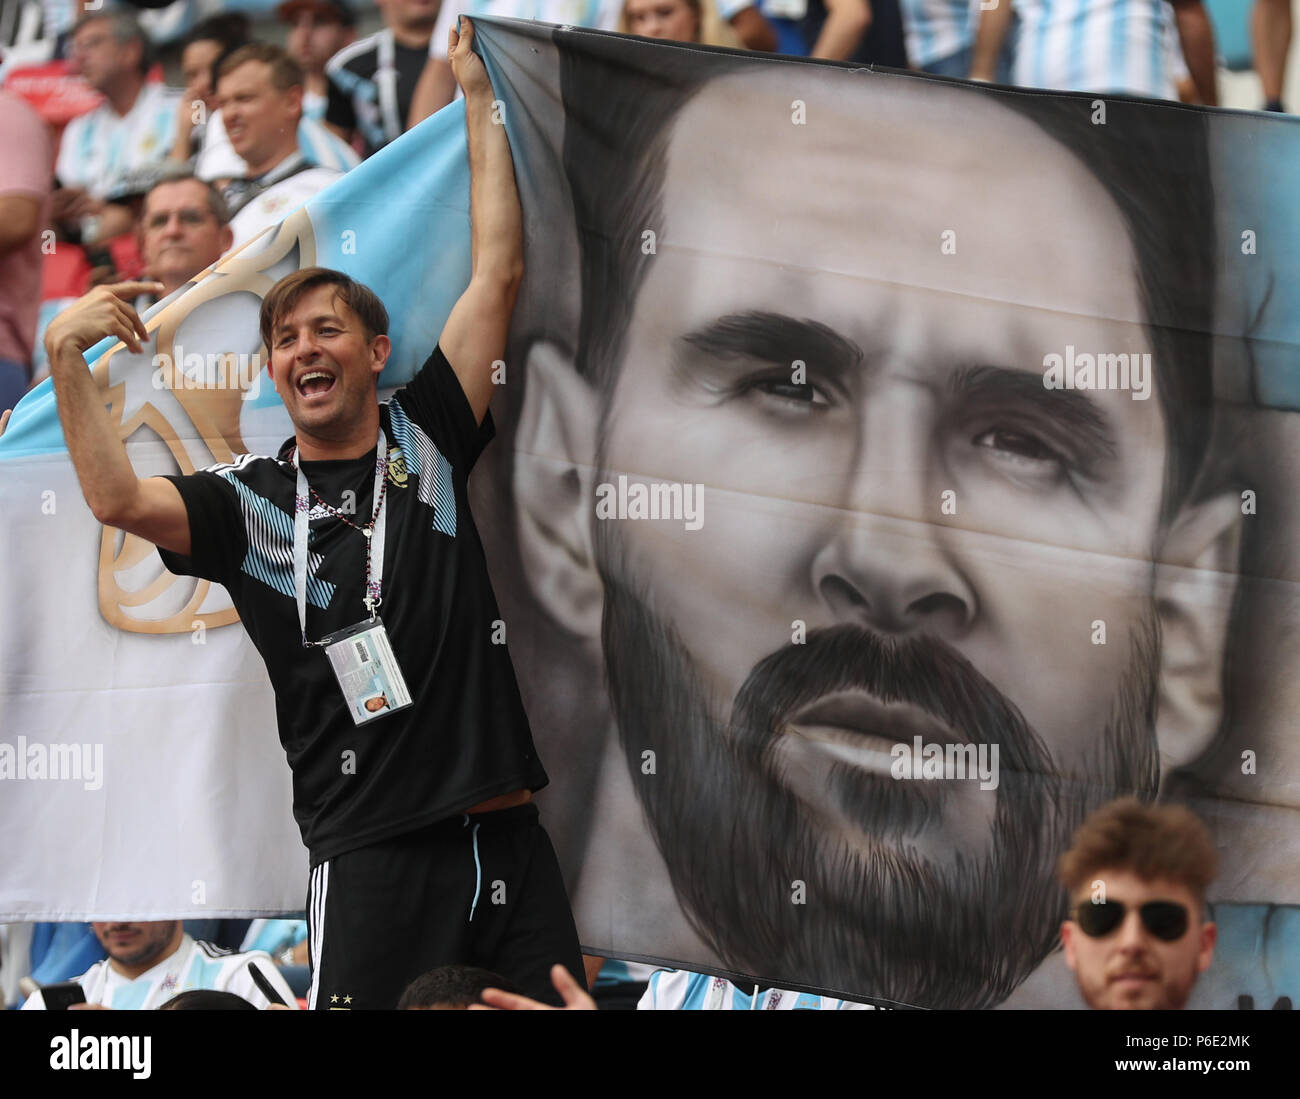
(285, 71)
(1166, 841)
(286, 293)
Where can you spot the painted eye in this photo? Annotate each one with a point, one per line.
(786, 390)
(1018, 444)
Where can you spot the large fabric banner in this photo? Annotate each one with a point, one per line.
(889, 471)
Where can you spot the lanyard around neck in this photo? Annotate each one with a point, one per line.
(374, 534)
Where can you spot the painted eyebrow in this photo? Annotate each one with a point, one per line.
(778, 339)
(1070, 409)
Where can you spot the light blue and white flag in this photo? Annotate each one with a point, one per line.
(140, 773)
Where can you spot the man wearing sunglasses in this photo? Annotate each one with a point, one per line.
(1137, 874)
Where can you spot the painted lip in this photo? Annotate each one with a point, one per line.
(859, 729)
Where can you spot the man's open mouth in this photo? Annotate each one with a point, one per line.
(314, 383)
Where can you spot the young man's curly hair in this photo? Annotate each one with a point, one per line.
(1150, 841)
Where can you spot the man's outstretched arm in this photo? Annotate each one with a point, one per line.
(475, 334)
(150, 508)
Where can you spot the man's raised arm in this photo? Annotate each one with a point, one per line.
(151, 508)
(475, 334)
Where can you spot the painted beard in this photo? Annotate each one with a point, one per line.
(878, 921)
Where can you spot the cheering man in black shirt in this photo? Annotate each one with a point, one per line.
(412, 759)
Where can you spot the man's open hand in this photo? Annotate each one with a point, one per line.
(466, 65)
(105, 311)
(574, 997)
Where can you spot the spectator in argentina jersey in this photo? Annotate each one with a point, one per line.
(416, 814)
(378, 74)
(1099, 45)
(201, 136)
(260, 91)
(149, 963)
(318, 29)
(680, 990)
(133, 127)
(940, 38)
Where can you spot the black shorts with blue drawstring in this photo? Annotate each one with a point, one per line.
(482, 890)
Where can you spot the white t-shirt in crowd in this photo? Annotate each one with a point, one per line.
(278, 201)
(936, 29)
(195, 964)
(218, 160)
(101, 146)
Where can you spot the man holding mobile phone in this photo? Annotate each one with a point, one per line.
(149, 963)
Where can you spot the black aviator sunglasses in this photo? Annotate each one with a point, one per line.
(1166, 920)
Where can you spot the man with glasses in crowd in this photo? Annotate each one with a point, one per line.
(184, 228)
(132, 128)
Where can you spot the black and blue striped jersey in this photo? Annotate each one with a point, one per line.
(466, 738)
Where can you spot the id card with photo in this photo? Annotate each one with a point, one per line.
(364, 665)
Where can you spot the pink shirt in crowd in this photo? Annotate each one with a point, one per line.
(26, 168)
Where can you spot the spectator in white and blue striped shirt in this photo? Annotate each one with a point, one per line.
(1100, 45)
(941, 38)
(680, 990)
(131, 129)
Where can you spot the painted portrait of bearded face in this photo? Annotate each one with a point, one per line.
(907, 536)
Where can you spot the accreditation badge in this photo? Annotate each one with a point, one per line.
(367, 671)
